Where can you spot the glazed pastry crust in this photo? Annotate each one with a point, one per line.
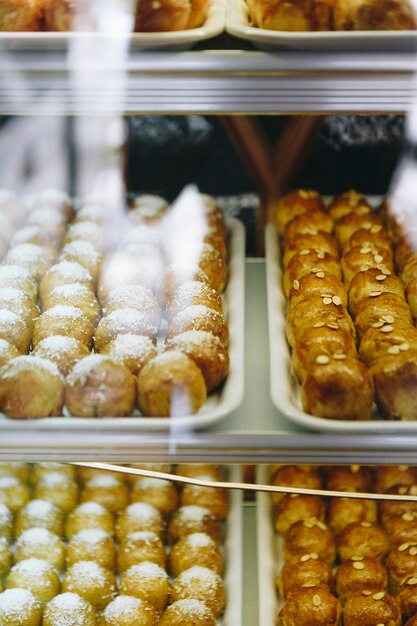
(374, 15)
(387, 308)
(317, 284)
(299, 201)
(359, 575)
(363, 539)
(163, 15)
(364, 607)
(309, 607)
(370, 284)
(20, 15)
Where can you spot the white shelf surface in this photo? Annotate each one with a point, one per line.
(213, 82)
(256, 432)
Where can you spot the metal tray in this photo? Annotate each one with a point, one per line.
(285, 390)
(239, 25)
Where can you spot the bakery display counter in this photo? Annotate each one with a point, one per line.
(212, 82)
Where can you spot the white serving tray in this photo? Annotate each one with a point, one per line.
(217, 406)
(233, 555)
(270, 558)
(285, 389)
(239, 25)
(173, 40)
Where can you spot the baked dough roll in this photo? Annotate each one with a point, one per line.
(64, 273)
(86, 231)
(363, 539)
(14, 330)
(310, 223)
(372, 283)
(20, 15)
(18, 277)
(375, 236)
(162, 15)
(317, 312)
(367, 607)
(303, 570)
(388, 509)
(213, 265)
(363, 258)
(387, 340)
(310, 536)
(310, 606)
(294, 508)
(359, 575)
(411, 295)
(374, 15)
(134, 297)
(284, 16)
(407, 595)
(199, 317)
(84, 253)
(147, 208)
(408, 270)
(348, 478)
(36, 235)
(395, 383)
(349, 202)
(388, 308)
(35, 259)
(193, 293)
(69, 606)
(126, 321)
(401, 564)
(307, 261)
(299, 201)
(65, 352)
(59, 14)
(318, 344)
(74, 295)
(20, 304)
(68, 321)
(295, 476)
(390, 475)
(405, 246)
(317, 284)
(51, 220)
(345, 511)
(322, 242)
(350, 224)
(338, 390)
(133, 351)
(412, 621)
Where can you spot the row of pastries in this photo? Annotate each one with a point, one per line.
(67, 15)
(155, 321)
(350, 325)
(346, 561)
(92, 548)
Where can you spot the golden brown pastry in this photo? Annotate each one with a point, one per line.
(124, 267)
(139, 517)
(395, 378)
(7, 352)
(351, 223)
(108, 491)
(315, 284)
(213, 265)
(412, 621)
(138, 547)
(51, 220)
(372, 283)
(19, 606)
(317, 343)
(177, 274)
(401, 564)
(307, 261)
(322, 242)
(128, 611)
(411, 295)
(374, 15)
(84, 253)
(146, 581)
(36, 575)
(195, 549)
(349, 202)
(188, 611)
(345, 511)
(13, 493)
(92, 582)
(14, 330)
(402, 528)
(366, 608)
(375, 237)
(76, 295)
(193, 519)
(161, 494)
(35, 259)
(294, 508)
(91, 544)
(134, 297)
(310, 536)
(299, 201)
(390, 475)
(86, 231)
(407, 595)
(18, 277)
(126, 321)
(170, 385)
(58, 489)
(213, 498)
(317, 312)
(405, 246)
(348, 478)
(64, 273)
(360, 574)
(98, 387)
(31, 387)
(65, 352)
(193, 293)
(388, 509)
(147, 209)
(207, 352)
(294, 476)
(337, 389)
(309, 607)
(408, 270)
(283, 16)
(199, 317)
(20, 304)
(88, 515)
(387, 340)
(20, 15)
(374, 312)
(200, 583)
(39, 513)
(169, 15)
(40, 543)
(363, 258)
(309, 223)
(68, 321)
(306, 570)
(363, 539)
(39, 469)
(132, 351)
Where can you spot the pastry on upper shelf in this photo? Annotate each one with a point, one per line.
(309, 223)
(162, 15)
(299, 201)
(308, 15)
(349, 202)
(368, 607)
(374, 15)
(310, 606)
(20, 15)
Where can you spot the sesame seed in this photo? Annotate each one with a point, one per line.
(327, 301)
(337, 300)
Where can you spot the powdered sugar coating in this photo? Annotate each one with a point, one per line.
(70, 270)
(142, 484)
(90, 508)
(16, 603)
(124, 606)
(145, 536)
(143, 511)
(131, 346)
(190, 607)
(91, 536)
(194, 312)
(28, 253)
(85, 572)
(63, 311)
(7, 317)
(37, 536)
(71, 290)
(53, 480)
(9, 482)
(6, 518)
(81, 248)
(34, 567)
(85, 230)
(193, 513)
(52, 198)
(128, 320)
(199, 540)
(103, 482)
(70, 609)
(83, 369)
(46, 215)
(148, 571)
(40, 509)
(29, 363)
(57, 344)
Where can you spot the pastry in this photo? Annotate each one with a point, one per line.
(322, 242)
(193, 519)
(98, 386)
(65, 352)
(388, 509)
(132, 351)
(13, 493)
(91, 544)
(35, 259)
(362, 258)
(363, 539)
(375, 237)
(88, 515)
(84, 253)
(407, 595)
(31, 387)
(193, 293)
(86, 231)
(146, 581)
(411, 295)
(306, 261)
(18, 277)
(401, 564)
(38, 576)
(134, 297)
(349, 202)
(170, 385)
(188, 611)
(345, 511)
(128, 611)
(126, 321)
(316, 284)
(19, 606)
(299, 201)
(294, 476)
(309, 223)
(348, 478)
(390, 475)
(405, 246)
(215, 499)
(68, 321)
(200, 583)
(395, 378)
(310, 536)
(147, 208)
(39, 469)
(402, 528)
(387, 340)
(56, 199)
(131, 267)
(177, 274)
(139, 517)
(40, 543)
(349, 224)
(369, 608)
(76, 295)
(6, 521)
(310, 606)
(20, 15)
(195, 549)
(337, 389)
(41, 514)
(371, 284)
(306, 570)
(92, 582)
(161, 494)
(7, 352)
(64, 273)
(14, 329)
(58, 489)
(294, 508)
(371, 15)
(69, 607)
(196, 469)
(5, 557)
(138, 547)
(107, 491)
(20, 304)
(199, 317)
(374, 312)
(360, 574)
